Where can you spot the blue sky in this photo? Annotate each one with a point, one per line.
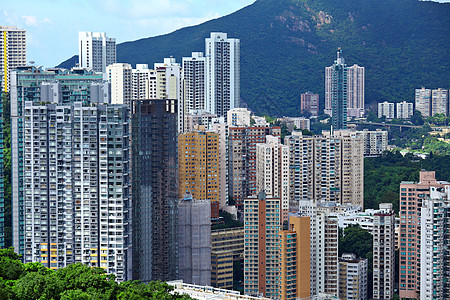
(52, 26)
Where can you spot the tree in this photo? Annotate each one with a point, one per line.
(417, 118)
(76, 281)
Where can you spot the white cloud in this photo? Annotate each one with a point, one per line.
(33, 21)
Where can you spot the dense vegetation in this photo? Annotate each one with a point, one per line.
(358, 241)
(286, 44)
(77, 281)
(382, 175)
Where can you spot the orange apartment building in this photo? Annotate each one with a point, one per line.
(198, 167)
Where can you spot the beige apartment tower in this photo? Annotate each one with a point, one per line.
(272, 171)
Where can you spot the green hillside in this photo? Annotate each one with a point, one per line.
(286, 44)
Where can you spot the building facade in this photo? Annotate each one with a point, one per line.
(412, 197)
(143, 83)
(405, 110)
(13, 53)
(227, 248)
(309, 103)
(198, 167)
(262, 224)
(439, 102)
(336, 94)
(242, 143)
(375, 141)
(423, 101)
(272, 171)
(194, 241)
(384, 252)
(355, 91)
(96, 50)
(222, 73)
(352, 277)
(435, 239)
(38, 86)
(155, 189)
(120, 77)
(194, 69)
(386, 109)
(76, 186)
(238, 117)
(326, 167)
(324, 266)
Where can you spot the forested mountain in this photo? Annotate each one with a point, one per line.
(286, 44)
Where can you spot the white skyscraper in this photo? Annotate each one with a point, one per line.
(404, 110)
(434, 245)
(439, 102)
(272, 171)
(222, 73)
(119, 75)
(96, 50)
(386, 109)
(355, 91)
(423, 101)
(170, 85)
(384, 252)
(143, 82)
(13, 52)
(195, 81)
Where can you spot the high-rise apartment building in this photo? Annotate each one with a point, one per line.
(169, 85)
(96, 50)
(326, 167)
(272, 171)
(227, 247)
(194, 69)
(155, 189)
(194, 241)
(384, 252)
(386, 109)
(375, 141)
(423, 101)
(238, 117)
(336, 92)
(261, 261)
(222, 73)
(412, 197)
(294, 256)
(439, 102)
(310, 103)
(143, 82)
(198, 119)
(198, 167)
(38, 86)
(352, 277)
(242, 160)
(324, 266)
(352, 168)
(355, 91)
(13, 53)
(120, 77)
(405, 110)
(76, 186)
(434, 241)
